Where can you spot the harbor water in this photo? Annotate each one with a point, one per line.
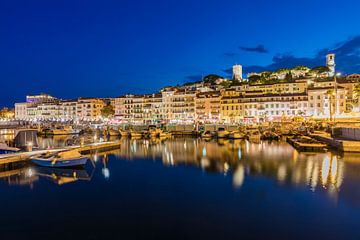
(185, 188)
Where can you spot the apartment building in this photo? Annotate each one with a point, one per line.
(89, 109)
(207, 105)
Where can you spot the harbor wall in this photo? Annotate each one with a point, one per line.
(350, 133)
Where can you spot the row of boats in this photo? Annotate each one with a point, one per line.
(248, 133)
(150, 133)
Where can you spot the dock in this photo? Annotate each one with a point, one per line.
(307, 147)
(86, 149)
(342, 145)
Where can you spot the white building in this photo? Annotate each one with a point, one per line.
(237, 72)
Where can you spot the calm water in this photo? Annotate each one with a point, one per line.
(186, 189)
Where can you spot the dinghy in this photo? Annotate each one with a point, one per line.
(62, 159)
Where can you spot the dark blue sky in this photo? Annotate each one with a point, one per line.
(108, 48)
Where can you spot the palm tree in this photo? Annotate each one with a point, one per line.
(330, 93)
(357, 94)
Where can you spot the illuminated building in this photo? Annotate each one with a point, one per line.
(208, 106)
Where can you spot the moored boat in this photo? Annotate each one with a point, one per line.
(135, 134)
(62, 159)
(123, 133)
(164, 134)
(222, 133)
(63, 130)
(5, 149)
(236, 135)
(206, 135)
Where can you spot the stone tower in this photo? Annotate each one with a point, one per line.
(237, 72)
(330, 63)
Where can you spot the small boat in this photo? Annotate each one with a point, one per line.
(235, 135)
(206, 134)
(154, 132)
(63, 130)
(222, 133)
(62, 159)
(5, 149)
(123, 133)
(164, 134)
(134, 134)
(113, 132)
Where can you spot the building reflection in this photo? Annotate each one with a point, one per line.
(276, 160)
(239, 159)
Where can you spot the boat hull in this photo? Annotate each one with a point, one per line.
(60, 163)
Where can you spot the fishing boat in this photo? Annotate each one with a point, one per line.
(236, 135)
(222, 133)
(113, 132)
(62, 159)
(164, 134)
(5, 149)
(63, 130)
(135, 134)
(123, 133)
(154, 132)
(206, 135)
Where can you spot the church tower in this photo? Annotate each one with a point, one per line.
(330, 63)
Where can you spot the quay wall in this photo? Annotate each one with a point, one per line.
(350, 133)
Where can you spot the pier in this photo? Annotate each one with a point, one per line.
(343, 145)
(86, 149)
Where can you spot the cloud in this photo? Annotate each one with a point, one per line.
(347, 58)
(258, 49)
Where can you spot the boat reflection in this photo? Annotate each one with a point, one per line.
(242, 160)
(276, 160)
(62, 176)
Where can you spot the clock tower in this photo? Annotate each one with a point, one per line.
(330, 63)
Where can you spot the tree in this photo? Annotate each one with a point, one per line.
(319, 70)
(288, 77)
(331, 93)
(107, 111)
(357, 94)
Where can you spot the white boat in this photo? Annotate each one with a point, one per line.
(62, 159)
(5, 149)
(222, 133)
(64, 130)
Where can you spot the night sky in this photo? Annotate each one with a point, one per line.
(108, 48)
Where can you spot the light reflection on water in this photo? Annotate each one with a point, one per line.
(226, 186)
(275, 160)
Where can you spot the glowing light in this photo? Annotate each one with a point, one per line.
(239, 176)
(204, 152)
(325, 170)
(334, 168)
(106, 173)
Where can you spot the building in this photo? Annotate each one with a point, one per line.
(89, 109)
(330, 63)
(207, 105)
(327, 101)
(41, 98)
(237, 72)
(69, 108)
(231, 109)
(21, 111)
